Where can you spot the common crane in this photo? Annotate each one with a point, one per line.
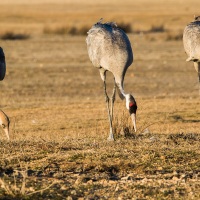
(191, 42)
(109, 49)
(4, 120)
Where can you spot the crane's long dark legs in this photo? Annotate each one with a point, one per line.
(111, 136)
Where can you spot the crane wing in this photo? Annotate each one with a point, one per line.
(94, 40)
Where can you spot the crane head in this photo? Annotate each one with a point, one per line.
(4, 123)
(131, 105)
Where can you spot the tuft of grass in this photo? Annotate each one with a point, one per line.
(79, 30)
(15, 186)
(157, 29)
(66, 30)
(174, 36)
(164, 36)
(14, 36)
(126, 27)
(122, 124)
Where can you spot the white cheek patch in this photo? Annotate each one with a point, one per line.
(127, 96)
(127, 105)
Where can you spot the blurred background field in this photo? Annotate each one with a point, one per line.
(54, 98)
(35, 16)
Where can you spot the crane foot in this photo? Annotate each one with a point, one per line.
(111, 137)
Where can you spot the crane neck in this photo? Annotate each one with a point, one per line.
(121, 92)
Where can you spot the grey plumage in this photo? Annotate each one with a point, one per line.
(191, 42)
(2, 65)
(109, 49)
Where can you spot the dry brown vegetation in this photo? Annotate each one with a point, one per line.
(14, 36)
(54, 98)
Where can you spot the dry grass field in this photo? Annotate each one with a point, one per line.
(54, 98)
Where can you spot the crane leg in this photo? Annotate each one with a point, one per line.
(111, 136)
(112, 101)
(197, 67)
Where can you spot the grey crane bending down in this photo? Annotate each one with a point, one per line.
(109, 49)
(4, 120)
(191, 42)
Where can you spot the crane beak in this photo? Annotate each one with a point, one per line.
(133, 117)
(6, 130)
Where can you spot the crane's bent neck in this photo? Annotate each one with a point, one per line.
(121, 92)
(125, 96)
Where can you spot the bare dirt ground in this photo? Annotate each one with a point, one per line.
(54, 98)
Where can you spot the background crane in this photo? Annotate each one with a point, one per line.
(4, 120)
(191, 42)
